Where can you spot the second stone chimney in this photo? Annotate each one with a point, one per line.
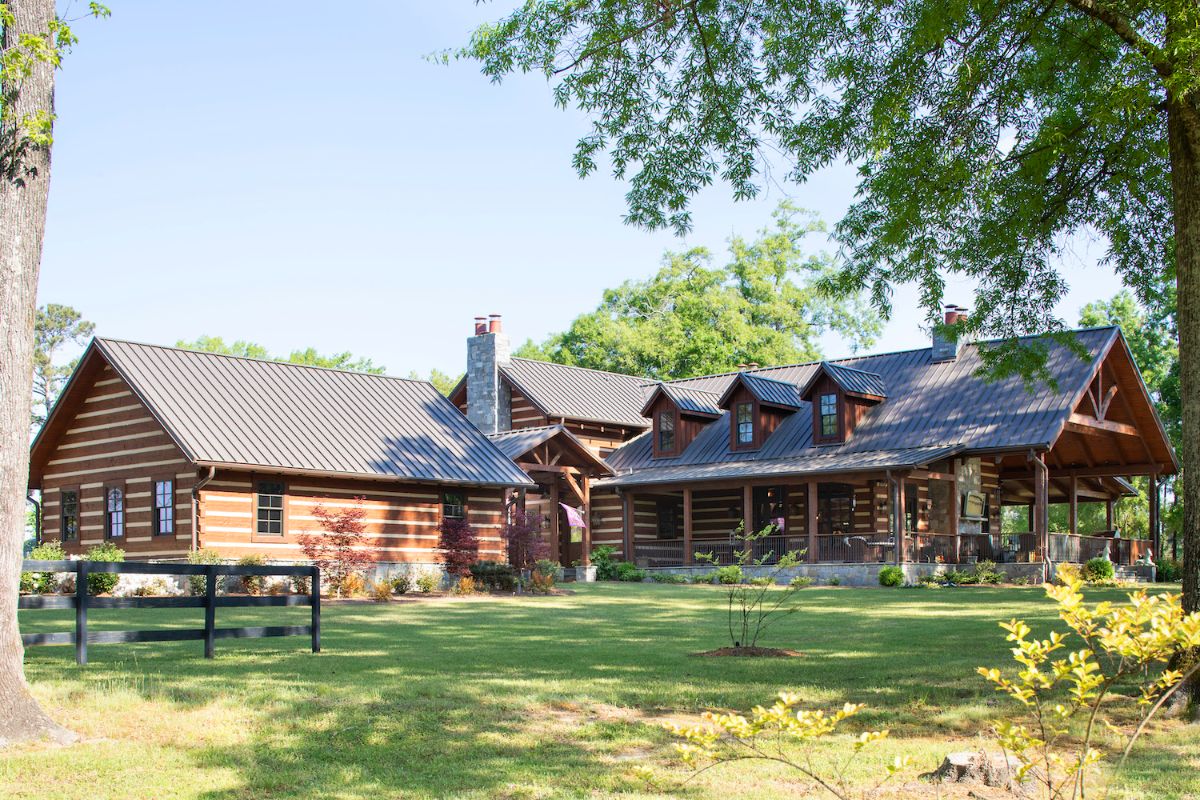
(947, 339)
(489, 400)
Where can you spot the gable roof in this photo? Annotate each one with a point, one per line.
(766, 390)
(249, 413)
(933, 407)
(519, 442)
(689, 401)
(577, 393)
(851, 381)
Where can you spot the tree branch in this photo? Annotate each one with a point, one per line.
(1120, 26)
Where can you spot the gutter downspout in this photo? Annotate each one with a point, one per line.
(37, 518)
(200, 484)
(1042, 517)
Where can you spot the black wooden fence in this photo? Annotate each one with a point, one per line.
(81, 601)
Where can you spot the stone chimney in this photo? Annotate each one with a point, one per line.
(489, 400)
(947, 343)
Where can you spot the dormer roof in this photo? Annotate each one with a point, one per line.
(691, 402)
(854, 382)
(768, 391)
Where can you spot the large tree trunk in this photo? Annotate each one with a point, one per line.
(22, 225)
(1185, 181)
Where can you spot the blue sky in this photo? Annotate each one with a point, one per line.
(301, 176)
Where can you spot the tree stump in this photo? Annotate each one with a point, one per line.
(988, 769)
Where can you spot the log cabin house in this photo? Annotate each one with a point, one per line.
(903, 458)
(163, 451)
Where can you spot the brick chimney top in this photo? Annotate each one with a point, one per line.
(480, 326)
(494, 325)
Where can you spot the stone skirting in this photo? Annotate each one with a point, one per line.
(861, 574)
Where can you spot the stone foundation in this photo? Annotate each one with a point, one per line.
(860, 574)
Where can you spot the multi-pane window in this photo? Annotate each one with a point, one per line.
(666, 431)
(454, 505)
(69, 507)
(114, 513)
(829, 415)
(269, 508)
(164, 507)
(745, 423)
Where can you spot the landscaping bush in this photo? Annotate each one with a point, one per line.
(628, 571)
(730, 574)
(427, 582)
(1168, 570)
(196, 583)
(43, 582)
(761, 580)
(104, 582)
(703, 577)
(301, 584)
(801, 582)
(956, 577)
(891, 576)
(986, 572)
(525, 543)
(606, 565)
(1098, 570)
(353, 585)
(253, 584)
(381, 591)
(459, 545)
(152, 588)
(464, 585)
(340, 549)
(668, 577)
(541, 580)
(402, 583)
(494, 576)
(1020, 580)
(836, 580)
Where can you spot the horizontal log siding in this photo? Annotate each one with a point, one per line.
(113, 441)
(524, 413)
(401, 521)
(607, 525)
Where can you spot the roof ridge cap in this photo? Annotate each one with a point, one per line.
(583, 369)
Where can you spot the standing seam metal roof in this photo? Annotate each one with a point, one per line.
(247, 412)
(578, 393)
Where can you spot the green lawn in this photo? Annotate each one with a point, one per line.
(517, 697)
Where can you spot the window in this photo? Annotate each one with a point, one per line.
(670, 518)
(745, 423)
(69, 506)
(164, 508)
(835, 509)
(454, 505)
(666, 431)
(829, 415)
(114, 516)
(269, 511)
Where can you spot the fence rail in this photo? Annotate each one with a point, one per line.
(82, 602)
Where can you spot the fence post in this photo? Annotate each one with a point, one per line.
(81, 604)
(210, 608)
(315, 596)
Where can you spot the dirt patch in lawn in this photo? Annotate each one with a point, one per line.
(750, 652)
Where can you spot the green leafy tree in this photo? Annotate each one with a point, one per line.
(985, 134)
(694, 318)
(309, 356)
(55, 326)
(442, 381)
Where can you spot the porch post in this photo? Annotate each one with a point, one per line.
(555, 527)
(1041, 511)
(585, 481)
(811, 509)
(1108, 515)
(628, 533)
(955, 502)
(687, 527)
(748, 514)
(1154, 521)
(900, 520)
(1073, 499)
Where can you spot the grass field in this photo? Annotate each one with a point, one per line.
(520, 697)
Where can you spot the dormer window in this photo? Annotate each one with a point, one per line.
(829, 415)
(745, 424)
(666, 431)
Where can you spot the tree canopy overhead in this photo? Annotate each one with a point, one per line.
(309, 356)
(695, 318)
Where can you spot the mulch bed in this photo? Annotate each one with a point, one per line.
(750, 652)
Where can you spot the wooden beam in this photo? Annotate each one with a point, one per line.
(812, 520)
(687, 527)
(748, 513)
(629, 533)
(1154, 532)
(1073, 505)
(1106, 401)
(586, 557)
(532, 467)
(1118, 471)
(555, 527)
(955, 504)
(1079, 423)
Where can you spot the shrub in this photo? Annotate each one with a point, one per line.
(547, 567)
(353, 585)
(1098, 570)
(629, 572)
(730, 574)
(339, 550)
(458, 544)
(402, 583)
(427, 582)
(301, 584)
(153, 588)
(835, 580)
(43, 582)
(252, 584)
(381, 591)
(196, 583)
(494, 576)
(800, 582)
(104, 582)
(523, 536)
(606, 565)
(542, 582)
(761, 580)
(1168, 570)
(703, 577)
(956, 577)
(668, 577)
(891, 576)
(986, 572)
(1020, 580)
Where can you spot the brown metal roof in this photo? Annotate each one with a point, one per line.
(520, 442)
(580, 394)
(233, 411)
